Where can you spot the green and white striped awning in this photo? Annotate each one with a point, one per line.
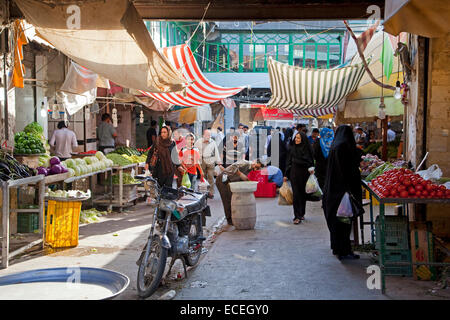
(311, 91)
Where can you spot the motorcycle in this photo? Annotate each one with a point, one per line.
(176, 231)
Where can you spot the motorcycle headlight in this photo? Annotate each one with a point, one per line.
(168, 205)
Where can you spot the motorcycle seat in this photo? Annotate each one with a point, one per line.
(193, 203)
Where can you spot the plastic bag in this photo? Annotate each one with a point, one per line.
(217, 170)
(282, 201)
(286, 193)
(203, 186)
(345, 207)
(432, 173)
(186, 181)
(312, 185)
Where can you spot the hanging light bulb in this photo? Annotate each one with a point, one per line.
(397, 93)
(114, 117)
(141, 117)
(87, 113)
(381, 111)
(43, 110)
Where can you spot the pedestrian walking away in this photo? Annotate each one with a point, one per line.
(299, 160)
(342, 176)
(321, 150)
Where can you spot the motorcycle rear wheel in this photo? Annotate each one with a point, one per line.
(195, 231)
(151, 268)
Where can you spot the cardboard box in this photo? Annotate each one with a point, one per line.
(422, 250)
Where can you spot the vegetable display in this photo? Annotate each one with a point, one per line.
(368, 163)
(76, 194)
(11, 169)
(127, 179)
(27, 143)
(135, 159)
(403, 183)
(89, 164)
(118, 159)
(379, 170)
(91, 215)
(127, 150)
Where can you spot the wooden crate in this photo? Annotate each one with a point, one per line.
(422, 250)
(30, 160)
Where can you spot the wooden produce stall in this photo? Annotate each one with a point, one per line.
(6, 210)
(382, 228)
(121, 197)
(90, 176)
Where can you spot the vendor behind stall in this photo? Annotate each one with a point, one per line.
(106, 134)
(63, 140)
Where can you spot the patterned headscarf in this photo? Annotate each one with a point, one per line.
(326, 138)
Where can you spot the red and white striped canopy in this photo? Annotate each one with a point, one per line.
(201, 91)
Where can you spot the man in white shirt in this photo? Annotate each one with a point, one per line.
(210, 157)
(390, 134)
(63, 140)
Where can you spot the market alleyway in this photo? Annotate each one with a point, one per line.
(277, 260)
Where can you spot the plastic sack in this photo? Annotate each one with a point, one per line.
(217, 170)
(186, 181)
(286, 193)
(282, 201)
(432, 173)
(345, 207)
(312, 185)
(203, 186)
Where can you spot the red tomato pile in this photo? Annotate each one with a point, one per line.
(403, 183)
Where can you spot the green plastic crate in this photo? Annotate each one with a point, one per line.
(396, 233)
(398, 256)
(27, 222)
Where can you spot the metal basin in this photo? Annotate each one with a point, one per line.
(72, 283)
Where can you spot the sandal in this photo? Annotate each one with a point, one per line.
(297, 221)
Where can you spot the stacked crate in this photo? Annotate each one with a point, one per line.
(397, 244)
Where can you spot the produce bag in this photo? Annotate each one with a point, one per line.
(286, 193)
(186, 181)
(312, 185)
(432, 173)
(282, 201)
(345, 207)
(203, 186)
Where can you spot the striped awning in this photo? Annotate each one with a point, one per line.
(201, 91)
(311, 91)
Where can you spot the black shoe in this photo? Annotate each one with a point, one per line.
(230, 222)
(353, 256)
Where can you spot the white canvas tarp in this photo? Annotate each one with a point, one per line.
(107, 37)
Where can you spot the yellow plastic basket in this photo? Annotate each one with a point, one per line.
(63, 219)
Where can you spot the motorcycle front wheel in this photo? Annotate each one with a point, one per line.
(195, 249)
(151, 268)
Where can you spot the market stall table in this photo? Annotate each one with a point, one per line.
(382, 202)
(121, 201)
(6, 185)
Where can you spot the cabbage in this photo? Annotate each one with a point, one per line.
(54, 160)
(94, 160)
(100, 156)
(71, 172)
(56, 169)
(69, 163)
(79, 161)
(77, 170)
(42, 170)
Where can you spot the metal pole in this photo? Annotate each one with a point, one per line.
(5, 235)
(384, 123)
(5, 89)
(382, 248)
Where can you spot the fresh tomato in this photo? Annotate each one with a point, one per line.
(432, 194)
(419, 187)
(425, 193)
(418, 193)
(404, 194)
(429, 187)
(440, 194)
(411, 191)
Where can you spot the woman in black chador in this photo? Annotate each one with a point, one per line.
(342, 176)
(299, 160)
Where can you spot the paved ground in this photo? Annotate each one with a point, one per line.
(277, 260)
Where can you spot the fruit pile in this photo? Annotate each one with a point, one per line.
(403, 183)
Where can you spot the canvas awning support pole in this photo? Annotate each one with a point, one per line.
(366, 66)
